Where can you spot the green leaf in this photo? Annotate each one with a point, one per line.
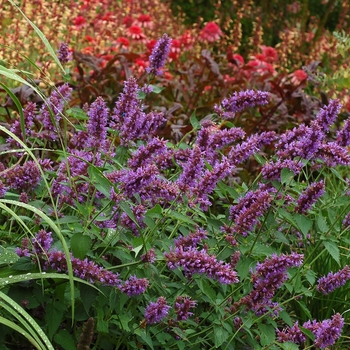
(287, 176)
(304, 308)
(322, 224)
(7, 257)
(333, 250)
(304, 223)
(157, 89)
(181, 217)
(24, 263)
(64, 338)
(289, 346)
(125, 206)
(220, 336)
(53, 317)
(286, 318)
(145, 337)
(206, 289)
(259, 159)
(310, 276)
(80, 245)
(267, 334)
(308, 333)
(99, 180)
(194, 121)
(141, 95)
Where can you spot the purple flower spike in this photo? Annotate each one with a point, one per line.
(240, 101)
(327, 331)
(97, 124)
(329, 283)
(63, 53)
(182, 307)
(159, 55)
(134, 286)
(309, 197)
(155, 312)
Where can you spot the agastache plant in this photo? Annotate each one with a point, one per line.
(159, 55)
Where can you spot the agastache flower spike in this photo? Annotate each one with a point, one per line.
(159, 55)
(329, 283)
(327, 331)
(240, 101)
(63, 53)
(309, 197)
(134, 286)
(327, 115)
(97, 124)
(182, 307)
(155, 312)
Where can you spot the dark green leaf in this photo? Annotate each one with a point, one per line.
(220, 336)
(267, 334)
(53, 317)
(333, 250)
(80, 245)
(64, 338)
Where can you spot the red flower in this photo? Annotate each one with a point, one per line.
(234, 58)
(175, 50)
(89, 38)
(80, 21)
(123, 42)
(145, 21)
(128, 21)
(187, 39)
(150, 44)
(211, 32)
(135, 32)
(298, 76)
(270, 53)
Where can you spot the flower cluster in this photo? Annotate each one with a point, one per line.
(309, 197)
(155, 312)
(129, 119)
(159, 55)
(134, 286)
(332, 281)
(249, 208)
(267, 278)
(194, 261)
(325, 332)
(240, 101)
(64, 55)
(182, 307)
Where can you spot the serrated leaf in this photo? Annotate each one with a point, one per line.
(289, 346)
(7, 257)
(287, 176)
(194, 121)
(206, 289)
(157, 89)
(322, 224)
(99, 180)
(333, 250)
(310, 276)
(286, 318)
(304, 308)
(64, 338)
(181, 217)
(141, 95)
(220, 336)
(308, 333)
(267, 334)
(304, 223)
(80, 245)
(53, 317)
(24, 263)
